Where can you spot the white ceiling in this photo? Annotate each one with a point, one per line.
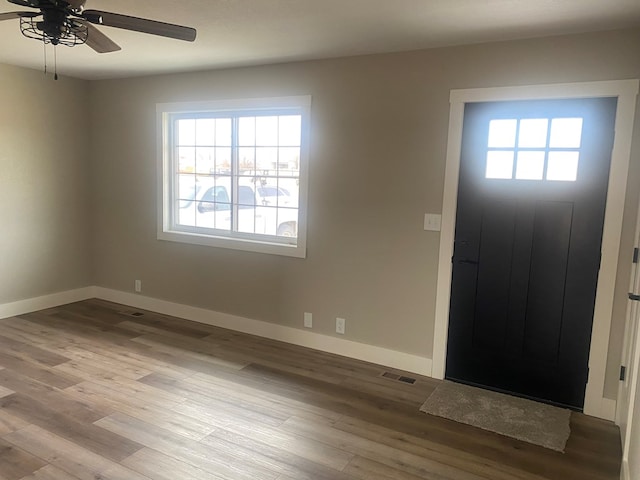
(250, 32)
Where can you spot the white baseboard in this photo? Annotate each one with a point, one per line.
(22, 307)
(326, 343)
(600, 407)
(608, 409)
(625, 474)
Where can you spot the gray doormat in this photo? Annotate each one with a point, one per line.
(514, 417)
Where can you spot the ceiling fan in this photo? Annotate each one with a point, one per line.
(66, 22)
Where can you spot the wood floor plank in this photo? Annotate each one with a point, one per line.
(140, 327)
(271, 357)
(47, 375)
(54, 398)
(396, 458)
(92, 371)
(23, 330)
(390, 389)
(5, 392)
(140, 361)
(305, 447)
(288, 463)
(15, 463)
(66, 426)
(367, 469)
(226, 400)
(159, 466)
(184, 449)
(144, 394)
(86, 359)
(69, 456)
(222, 413)
(10, 423)
(161, 417)
(200, 386)
(49, 472)
(37, 371)
(26, 350)
(193, 348)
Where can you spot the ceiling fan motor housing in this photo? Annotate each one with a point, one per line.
(54, 23)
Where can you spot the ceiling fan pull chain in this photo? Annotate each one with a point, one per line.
(55, 62)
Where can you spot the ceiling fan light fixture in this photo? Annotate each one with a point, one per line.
(67, 33)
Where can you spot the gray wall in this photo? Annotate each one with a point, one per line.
(44, 244)
(378, 144)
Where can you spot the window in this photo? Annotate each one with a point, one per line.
(233, 174)
(534, 149)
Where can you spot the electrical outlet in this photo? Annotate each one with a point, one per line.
(340, 325)
(138, 286)
(308, 320)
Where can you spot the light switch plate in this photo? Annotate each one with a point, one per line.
(432, 221)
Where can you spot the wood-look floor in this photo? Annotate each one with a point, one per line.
(87, 392)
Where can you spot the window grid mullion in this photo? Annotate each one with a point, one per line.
(547, 149)
(277, 169)
(173, 165)
(235, 123)
(516, 150)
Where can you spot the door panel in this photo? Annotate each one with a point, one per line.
(494, 265)
(548, 274)
(532, 192)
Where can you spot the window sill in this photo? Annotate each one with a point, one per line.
(256, 246)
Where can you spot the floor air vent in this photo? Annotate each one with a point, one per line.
(132, 314)
(407, 380)
(399, 378)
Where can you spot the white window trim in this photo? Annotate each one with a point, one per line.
(163, 113)
(626, 91)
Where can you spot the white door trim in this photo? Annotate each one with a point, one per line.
(626, 91)
(628, 388)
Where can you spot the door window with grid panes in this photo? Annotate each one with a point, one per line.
(534, 149)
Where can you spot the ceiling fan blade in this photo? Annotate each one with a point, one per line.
(12, 15)
(99, 41)
(76, 4)
(140, 25)
(22, 3)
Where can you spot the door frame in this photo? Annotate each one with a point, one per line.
(628, 388)
(626, 91)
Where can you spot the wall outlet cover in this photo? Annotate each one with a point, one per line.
(340, 325)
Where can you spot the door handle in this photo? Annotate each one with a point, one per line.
(468, 262)
(633, 296)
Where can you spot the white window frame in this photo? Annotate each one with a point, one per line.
(253, 243)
